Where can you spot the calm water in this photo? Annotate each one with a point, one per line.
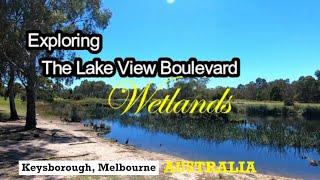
(276, 148)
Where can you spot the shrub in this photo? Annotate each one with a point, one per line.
(69, 113)
(78, 97)
(288, 102)
(74, 116)
(97, 111)
(45, 95)
(311, 112)
(263, 110)
(286, 111)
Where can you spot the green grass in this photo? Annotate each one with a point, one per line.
(272, 103)
(82, 102)
(63, 107)
(54, 109)
(277, 108)
(5, 109)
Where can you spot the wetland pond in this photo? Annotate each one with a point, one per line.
(286, 147)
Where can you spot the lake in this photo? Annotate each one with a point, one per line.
(278, 146)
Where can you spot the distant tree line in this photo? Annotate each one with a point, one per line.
(305, 89)
(98, 89)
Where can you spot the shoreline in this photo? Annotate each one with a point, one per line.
(58, 140)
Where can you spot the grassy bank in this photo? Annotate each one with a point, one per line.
(277, 108)
(81, 108)
(5, 109)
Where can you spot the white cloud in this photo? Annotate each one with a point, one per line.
(170, 1)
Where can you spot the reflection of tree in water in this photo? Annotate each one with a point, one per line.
(277, 134)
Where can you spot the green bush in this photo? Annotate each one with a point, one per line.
(74, 115)
(288, 102)
(97, 111)
(45, 95)
(263, 110)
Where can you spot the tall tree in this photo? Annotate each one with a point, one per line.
(8, 57)
(12, 93)
(317, 74)
(47, 16)
(307, 89)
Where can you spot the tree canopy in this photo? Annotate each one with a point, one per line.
(19, 16)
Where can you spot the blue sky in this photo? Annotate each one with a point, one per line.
(274, 39)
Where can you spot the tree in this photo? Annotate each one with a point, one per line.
(261, 85)
(11, 89)
(96, 89)
(307, 89)
(7, 57)
(191, 87)
(317, 74)
(278, 89)
(251, 91)
(8, 75)
(275, 93)
(46, 16)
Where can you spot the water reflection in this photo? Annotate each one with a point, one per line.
(278, 146)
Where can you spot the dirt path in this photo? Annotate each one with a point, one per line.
(57, 140)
